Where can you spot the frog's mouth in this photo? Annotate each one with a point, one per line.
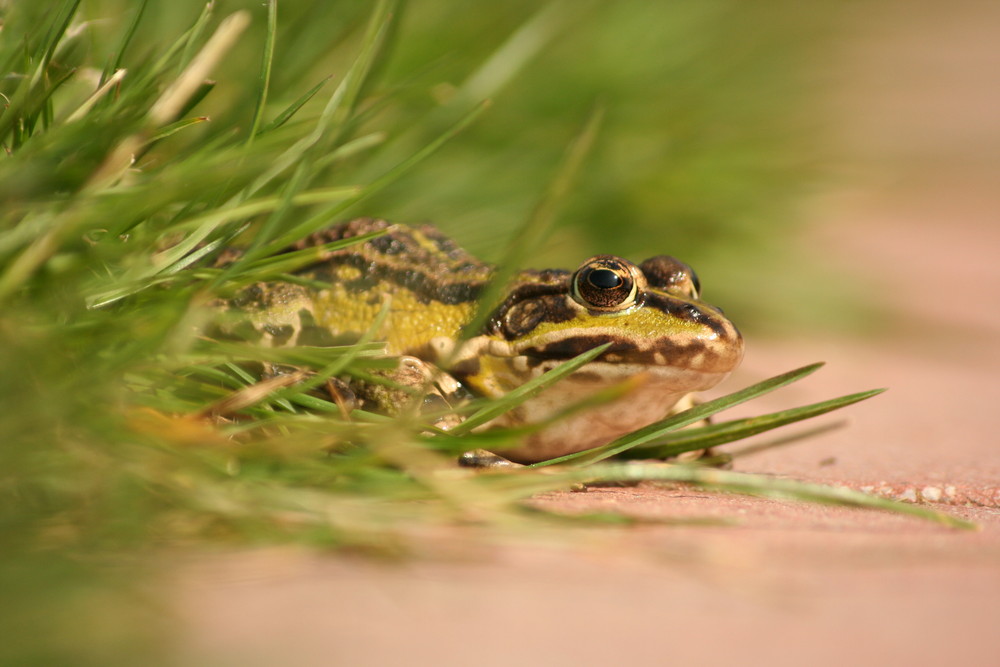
(712, 352)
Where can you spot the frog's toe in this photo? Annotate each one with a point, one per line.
(480, 458)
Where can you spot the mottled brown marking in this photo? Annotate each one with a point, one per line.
(521, 318)
(532, 301)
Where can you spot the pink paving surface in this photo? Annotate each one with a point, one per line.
(788, 583)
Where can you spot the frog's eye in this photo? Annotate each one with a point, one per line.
(606, 283)
(671, 275)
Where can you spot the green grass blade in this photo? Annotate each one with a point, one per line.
(293, 108)
(190, 40)
(351, 148)
(717, 434)
(115, 63)
(57, 31)
(786, 439)
(185, 87)
(682, 419)
(323, 218)
(346, 97)
(267, 60)
(191, 249)
(102, 90)
(174, 128)
(516, 51)
(178, 52)
(330, 122)
(288, 262)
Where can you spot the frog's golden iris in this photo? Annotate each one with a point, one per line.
(651, 314)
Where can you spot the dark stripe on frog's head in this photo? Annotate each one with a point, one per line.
(696, 313)
(693, 354)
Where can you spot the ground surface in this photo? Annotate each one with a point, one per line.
(789, 584)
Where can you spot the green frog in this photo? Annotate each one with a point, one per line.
(660, 332)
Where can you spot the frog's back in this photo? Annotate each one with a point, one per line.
(427, 284)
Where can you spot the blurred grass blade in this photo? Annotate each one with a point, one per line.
(537, 226)
(288, 262)
(174, 128)
(115, 63)
(267, 60)
(346, 97)
(323, 218)
(89, 103)
(178, 53)
(516, 52)
(717, 434)
(171, 102)
(682, 419)
(333, 117)
(189, 41)
(16, 104)
(57, 31)
(760, 485)
(350, 148)
(291, 110)
(184, 253)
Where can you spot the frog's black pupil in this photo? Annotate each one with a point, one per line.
(604, 278)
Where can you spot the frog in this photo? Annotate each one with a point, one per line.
(423, 291)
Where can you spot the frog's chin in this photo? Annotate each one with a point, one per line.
(654, 394)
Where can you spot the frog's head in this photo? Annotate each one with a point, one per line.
(650, 313)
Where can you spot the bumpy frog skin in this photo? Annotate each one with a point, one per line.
(661, 334)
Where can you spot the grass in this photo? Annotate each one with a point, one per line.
(127, 168)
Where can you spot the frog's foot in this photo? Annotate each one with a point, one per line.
(707, 456)
(710, 458)
(486, 460)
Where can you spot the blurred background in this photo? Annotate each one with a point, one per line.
(709, 141)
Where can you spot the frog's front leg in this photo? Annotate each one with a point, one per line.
(418, 385)
(414, 386)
